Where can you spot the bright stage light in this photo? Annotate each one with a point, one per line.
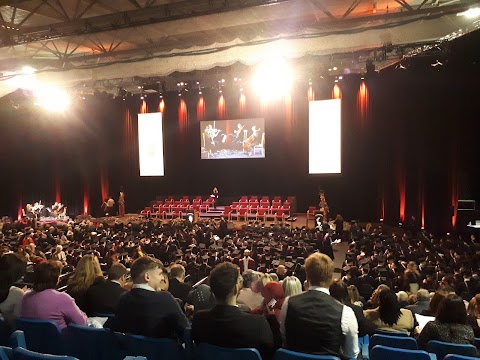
(273, 79)
(28, 70)
(470, 13)
(56, 100)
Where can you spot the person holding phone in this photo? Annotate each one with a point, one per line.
(273, 298)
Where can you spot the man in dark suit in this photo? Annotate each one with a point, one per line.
(103, 296)
(148, 309)
(176, 285)
(314, 322)
(422, 304)
(226, 325)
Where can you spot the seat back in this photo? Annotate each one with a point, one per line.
(6, 353)
(400, 342)
(43, 336)
(442, 349)
(284, 354)
(24, 354)
(208, 352)
(381, 352)
(151, 348)
(5, 332)
(391, 333)
(88, 343)
(459, 357)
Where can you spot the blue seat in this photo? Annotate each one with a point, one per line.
(18, 339)
(206, 351)
(151, 348)
(6, 353)
(89, 343)
(459, 357)
(110, 323)
(399, 342)
(380, 352)
(24, 354)
(284, 354)
(442, 349)
(43, 336)
(391, 333)
(476, 342)
(5, 332)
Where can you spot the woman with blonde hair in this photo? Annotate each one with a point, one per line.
(473, 312)
(87, 272)
(354, 296)
(291, 286)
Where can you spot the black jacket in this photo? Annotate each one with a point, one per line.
(103, 297)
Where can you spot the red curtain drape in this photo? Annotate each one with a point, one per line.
(86, 199)
(143, 107)
(19, 210)
(311, 93)
(336, 92)
(201, 109)
(454, 186)
(242, 105)
(402, 187)
(161, 106)
(129, 139)
(221, 108)
(182, 116)
(104, 183)
(58, 196)
(363, 103)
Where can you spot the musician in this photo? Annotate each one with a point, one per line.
(323, 205)
(252, 140)
(121, 203)
(214, 197)
(234, 139)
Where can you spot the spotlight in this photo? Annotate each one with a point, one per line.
(56, 100)
(28, 70)
(141, 97)
(273, 78)
(470, 13)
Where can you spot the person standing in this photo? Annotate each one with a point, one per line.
(110, 205)
(121, 204)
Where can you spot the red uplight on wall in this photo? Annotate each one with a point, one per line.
(201, 109)
(86, 201)
(161, 106)
(336, 92)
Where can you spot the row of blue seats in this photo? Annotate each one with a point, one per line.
(401, 341)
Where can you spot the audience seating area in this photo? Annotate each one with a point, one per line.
(44, 339)
(246, 208)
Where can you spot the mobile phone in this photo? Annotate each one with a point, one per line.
(271, 304)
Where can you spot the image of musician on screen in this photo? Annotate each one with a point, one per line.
(234, 140)
(252, 140)
(211, 133)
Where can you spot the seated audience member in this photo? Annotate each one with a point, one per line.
(12, 268)
(450, 325)
(339, 291)
(422, 304)
(354, 296)
(435, 302)
(103, 296)
(201, 298)
(291, 286)
(402, 297)
(314, 322)
(148, 309)
(281, 272)
(46, 303)
(249, 294)
(176, 285)
(473, 311)
(87, 271)
(226, 325)
(389, 315)
(273, 298)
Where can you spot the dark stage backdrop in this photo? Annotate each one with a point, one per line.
(409, 146)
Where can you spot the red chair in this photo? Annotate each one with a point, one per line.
(254, 198)
(227, 212)
(311, 211)
(262, 213)
(286, 210)
(146, 212)
(177, 214)
(161, 212)
(265, 203)
(277, 203)
(265, 198)
(253, 208)
(196, 207)
(274, 208)
(242, 213)
(204, 207)
(244, 198)
(243, 203)
(253, 202)
(277, 198)
(279, 215)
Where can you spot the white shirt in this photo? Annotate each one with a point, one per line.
(245, 263)
(143, 286)
(348, 322)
